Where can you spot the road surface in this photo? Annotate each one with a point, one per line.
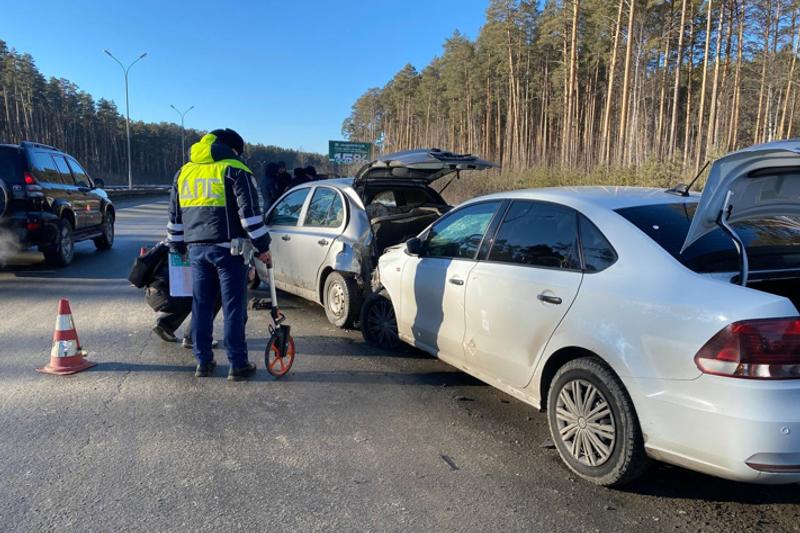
(354, 439)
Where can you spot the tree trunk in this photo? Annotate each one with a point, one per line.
(701, 111)
(622, 136)
(606, 137)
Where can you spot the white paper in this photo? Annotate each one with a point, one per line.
(180, 276)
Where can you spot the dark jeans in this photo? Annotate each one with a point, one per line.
(215, 270)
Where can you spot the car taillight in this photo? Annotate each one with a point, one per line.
(32, 187)
(754, 349)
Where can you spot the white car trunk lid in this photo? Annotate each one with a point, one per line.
(763, 181)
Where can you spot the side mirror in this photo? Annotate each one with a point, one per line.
(99, 183)
(414, 246)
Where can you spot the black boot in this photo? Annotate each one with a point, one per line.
(164, 334)
(241, 373)
(203, 371)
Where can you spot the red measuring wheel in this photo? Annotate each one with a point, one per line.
(277, 363)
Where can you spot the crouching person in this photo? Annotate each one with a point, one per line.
(213, 203)
(151, 272)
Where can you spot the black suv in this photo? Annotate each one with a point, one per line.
(48, 200)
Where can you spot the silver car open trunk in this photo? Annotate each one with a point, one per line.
(397, 193)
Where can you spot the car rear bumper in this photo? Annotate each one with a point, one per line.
(31, 229)
(738, 429)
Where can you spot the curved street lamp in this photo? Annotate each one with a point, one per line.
(183, 131)
(127, 109)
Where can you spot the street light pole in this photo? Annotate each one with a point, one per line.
(127, 110)
(183, 131)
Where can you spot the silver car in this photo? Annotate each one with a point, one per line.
(327, 235)
(648, 324)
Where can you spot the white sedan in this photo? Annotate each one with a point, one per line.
(648, 324)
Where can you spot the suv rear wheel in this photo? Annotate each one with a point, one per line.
(341, 299)
(61, 252)
(593, 424)
(5, 198)
(106, 240)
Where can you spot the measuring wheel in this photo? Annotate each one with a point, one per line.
(277, 363)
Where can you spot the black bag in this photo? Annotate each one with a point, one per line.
(144, 267)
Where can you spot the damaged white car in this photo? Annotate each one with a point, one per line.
(327, 235)
(648, 324)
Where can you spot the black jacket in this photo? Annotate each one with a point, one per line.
(214, 199)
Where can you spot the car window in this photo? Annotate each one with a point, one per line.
(771, 242)
(325, 210)
(287, 211)
(81, 177)
(459, 234)
(61, 164)
(45, 169)
(537, 234)
(11, 165)
(598, 254)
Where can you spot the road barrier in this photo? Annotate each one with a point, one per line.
(122, 191)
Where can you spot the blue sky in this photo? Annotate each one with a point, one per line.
(282, 73)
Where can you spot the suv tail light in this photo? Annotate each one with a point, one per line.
(32, 187)
(754, 349)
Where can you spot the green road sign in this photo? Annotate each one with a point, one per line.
(348, 153)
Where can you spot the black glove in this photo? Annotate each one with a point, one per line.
(177, 248)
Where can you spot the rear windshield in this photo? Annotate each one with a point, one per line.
(11, 170)
(772, 243)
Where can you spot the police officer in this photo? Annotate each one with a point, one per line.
(213, 203)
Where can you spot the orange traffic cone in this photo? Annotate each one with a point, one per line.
(67, 356)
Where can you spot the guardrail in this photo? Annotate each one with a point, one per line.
(122, 191)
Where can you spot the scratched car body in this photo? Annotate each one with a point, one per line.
(648, 324)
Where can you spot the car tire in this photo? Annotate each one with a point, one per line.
(106, 240)
(378, 321)
(61, 252)
(341, 299)
(606, 447)
(5, 198)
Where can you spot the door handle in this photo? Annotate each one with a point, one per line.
(456, 281)
(322, 242)
(286, 238)
(547, 298)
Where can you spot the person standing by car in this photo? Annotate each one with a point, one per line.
(311, 172)
(269, 185)
(300, 177)
(284, 179)
(213, 207)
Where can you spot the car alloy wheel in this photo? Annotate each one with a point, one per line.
(586, 423)
(108, 229)
(380, 323)
(106, 240)
(66, 246)
(5, 199)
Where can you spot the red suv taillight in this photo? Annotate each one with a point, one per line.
(32, 187)
(754, 349)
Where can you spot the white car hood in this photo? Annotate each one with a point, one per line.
(764, 181)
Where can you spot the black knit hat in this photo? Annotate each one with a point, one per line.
(231, 139)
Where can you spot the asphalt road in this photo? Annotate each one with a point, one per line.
(354, 439)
